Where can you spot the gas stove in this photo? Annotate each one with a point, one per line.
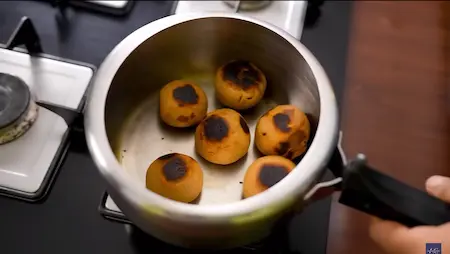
(28, 80)
(59, 87)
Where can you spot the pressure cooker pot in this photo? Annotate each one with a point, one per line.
(125, 134)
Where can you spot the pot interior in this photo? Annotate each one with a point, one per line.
(194, 50)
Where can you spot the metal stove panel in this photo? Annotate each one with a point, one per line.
(25, 163)
(287, 15)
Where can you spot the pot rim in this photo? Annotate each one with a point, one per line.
(297, 183)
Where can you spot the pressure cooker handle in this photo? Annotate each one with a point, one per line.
(370, 191)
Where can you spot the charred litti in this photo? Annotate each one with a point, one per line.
(175, 176)
(283, 130)
(264, 173)
(240, 84)
(223, 137)
(182, 103)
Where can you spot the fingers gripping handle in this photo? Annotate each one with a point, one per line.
(375, 193)
(439, 186)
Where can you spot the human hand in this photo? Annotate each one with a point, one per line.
(396, 238)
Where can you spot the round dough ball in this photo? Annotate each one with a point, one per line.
(223, 137)
(240, 85)
(283, 130)
(175, 176)
(182, 103)
(264, 173)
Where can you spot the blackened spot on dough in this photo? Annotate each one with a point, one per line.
(241, 73)
(244, 125)
(271, 174)
(216, 128)
(185, 95)
(174, 169)
(167, 156)
(283, 148)
(289, 155)
(282, 121)
(182, 119)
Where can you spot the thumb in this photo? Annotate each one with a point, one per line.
(439, 186)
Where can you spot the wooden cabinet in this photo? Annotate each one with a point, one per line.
(396, 106)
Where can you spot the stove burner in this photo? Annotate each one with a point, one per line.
(17, 109)
(248, 5)
(14, 99)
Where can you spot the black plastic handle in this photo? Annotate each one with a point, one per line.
(375, 193)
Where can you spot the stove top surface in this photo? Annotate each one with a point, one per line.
(68, 221)
(43, 142)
